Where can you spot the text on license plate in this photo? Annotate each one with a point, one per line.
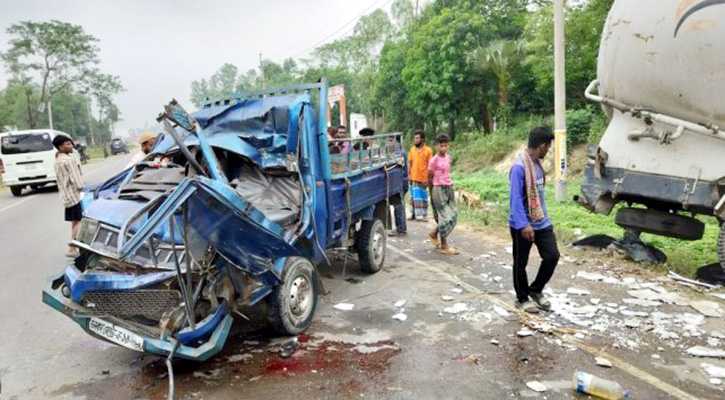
(116, 334)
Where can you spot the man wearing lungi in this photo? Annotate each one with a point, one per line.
(419, 156)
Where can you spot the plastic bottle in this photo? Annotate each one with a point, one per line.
(589, 384)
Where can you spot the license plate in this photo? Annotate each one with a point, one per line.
(29, 167)
(116, 334)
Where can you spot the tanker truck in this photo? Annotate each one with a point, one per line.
(660, 80)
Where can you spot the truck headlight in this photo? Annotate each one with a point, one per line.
(87, 230)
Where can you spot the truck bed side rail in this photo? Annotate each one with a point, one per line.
(353, 156)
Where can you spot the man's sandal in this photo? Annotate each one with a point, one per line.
(434, 240)
(450, 251)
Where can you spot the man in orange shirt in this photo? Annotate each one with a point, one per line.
(419, 156)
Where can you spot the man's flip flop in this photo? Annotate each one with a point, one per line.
(433, 240)
(450, 251)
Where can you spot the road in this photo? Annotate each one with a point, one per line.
(364, 352)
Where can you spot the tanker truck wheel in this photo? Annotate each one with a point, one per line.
(294, 300)
(660, 223)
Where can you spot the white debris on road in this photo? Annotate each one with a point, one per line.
(707, 308)
(603, 362)
(456, 308)
(713, 370)
(400, 317)
(400, 303)
(446, 298)
(536, 386)
(500, 311)
(344, 306)
(578, 292)
(457, 290)
(702, 351)
(524, 332)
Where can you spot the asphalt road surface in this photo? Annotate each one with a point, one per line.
(361, 353)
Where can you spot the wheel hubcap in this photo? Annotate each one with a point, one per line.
(378, 245)
(300, 296)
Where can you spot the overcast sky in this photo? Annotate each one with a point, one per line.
(157, 47)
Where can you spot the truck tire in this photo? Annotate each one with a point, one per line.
(17, 191)
(660, 223)
(371, 245)
(294, 300)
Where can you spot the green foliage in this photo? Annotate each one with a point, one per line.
(583, 28)
(476, 152)
(597, 127)
(578, 123)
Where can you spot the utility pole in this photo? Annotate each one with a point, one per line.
(50, 113)
(90, 122)
(559, 103)
(261, 71)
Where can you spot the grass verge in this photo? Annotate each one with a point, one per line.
(684, 257)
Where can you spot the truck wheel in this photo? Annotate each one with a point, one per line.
(660, 223)
(371, 244)
(17, 191)
(294, 300)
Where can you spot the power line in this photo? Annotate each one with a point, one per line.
(340, 28)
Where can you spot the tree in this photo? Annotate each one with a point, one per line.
(436, 75)
(500, 57)
(583, 29)
(53, 55)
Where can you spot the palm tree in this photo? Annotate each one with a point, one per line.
(499, 57)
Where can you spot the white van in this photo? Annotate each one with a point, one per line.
(27, 158)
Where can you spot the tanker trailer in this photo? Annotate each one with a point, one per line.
(661, 81)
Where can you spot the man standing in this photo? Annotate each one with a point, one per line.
(530, 223)
(70, 184)
(419, 156)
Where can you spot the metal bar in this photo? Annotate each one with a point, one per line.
(266, 92)
(702, 129)
(180, 277)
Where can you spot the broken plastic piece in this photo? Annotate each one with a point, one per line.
(456, 308)
(702, 351)
(524, 332)
(446, 298)
(586, 383)
(344, 306)
(400, 317)
(603, 362)
(400, 303)
(536, 386)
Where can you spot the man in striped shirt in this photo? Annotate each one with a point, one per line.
(70, 183)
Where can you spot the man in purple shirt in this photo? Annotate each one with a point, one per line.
(526, 230)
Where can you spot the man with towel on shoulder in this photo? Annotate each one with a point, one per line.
(530, 223)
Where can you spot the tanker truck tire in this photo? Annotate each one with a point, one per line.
(294, 301)
(371, 245)
(660, 223)
(17, 191)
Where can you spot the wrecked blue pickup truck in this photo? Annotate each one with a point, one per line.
(234, 207)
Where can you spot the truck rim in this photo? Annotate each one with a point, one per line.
(300, 296)
(378, 244)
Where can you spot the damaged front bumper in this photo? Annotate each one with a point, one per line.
(208, 338)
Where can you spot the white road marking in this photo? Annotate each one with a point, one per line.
(17, 202)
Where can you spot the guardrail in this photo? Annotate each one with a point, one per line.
(352, 156)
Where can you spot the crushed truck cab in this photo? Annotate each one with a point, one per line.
(234, 208)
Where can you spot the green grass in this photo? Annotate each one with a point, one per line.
(95, 153)
(684, 256)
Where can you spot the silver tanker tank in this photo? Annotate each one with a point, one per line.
(661, 81)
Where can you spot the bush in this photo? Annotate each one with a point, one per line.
(597, 128)
(578, 124)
